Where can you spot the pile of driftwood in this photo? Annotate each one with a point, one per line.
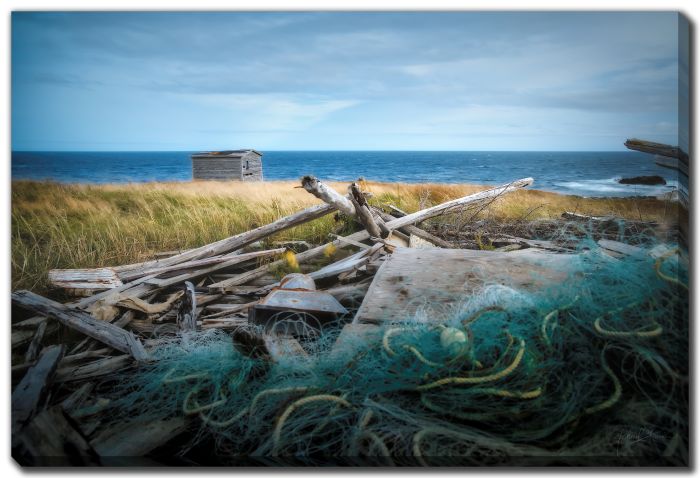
(121, 315)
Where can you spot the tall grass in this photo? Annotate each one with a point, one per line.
(74, 226)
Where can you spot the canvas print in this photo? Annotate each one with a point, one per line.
(442, 239)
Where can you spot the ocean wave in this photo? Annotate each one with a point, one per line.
(611, 186)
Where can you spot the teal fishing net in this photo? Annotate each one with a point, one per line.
(591, 368)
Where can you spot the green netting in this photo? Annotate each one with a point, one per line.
(583, 368)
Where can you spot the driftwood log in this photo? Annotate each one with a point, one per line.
(83, 322)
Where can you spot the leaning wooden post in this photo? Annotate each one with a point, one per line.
(363, 213)
(328, 195)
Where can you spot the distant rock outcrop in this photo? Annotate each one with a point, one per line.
(646, 180)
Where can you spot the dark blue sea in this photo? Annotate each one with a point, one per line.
(581, 173)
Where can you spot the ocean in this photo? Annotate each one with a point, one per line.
(590, 174)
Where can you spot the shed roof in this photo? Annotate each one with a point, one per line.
(232, 153)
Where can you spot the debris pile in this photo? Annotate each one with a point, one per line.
(409, 351)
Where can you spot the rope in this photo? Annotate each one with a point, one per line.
(659, 262)
(472, 380)
(617, 393)
(300, 403)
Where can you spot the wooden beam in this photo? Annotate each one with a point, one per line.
(83, 322)
(53, 439)
(328, 195)
(240, 240)
(27, 397)
(657, 148)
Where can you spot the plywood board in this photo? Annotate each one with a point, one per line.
(434, 278)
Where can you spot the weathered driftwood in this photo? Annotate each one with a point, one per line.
(84, 280)
(349, 292)
(76, 398)
(363, 213)
(657, 148)
(234, 260)
(411, 230)
(83, 322)
(134, 303)
(35, 346)
(410, 219)
(396, 212)
(53, 439)
(187, 312)
(240, 240)
(28, 395)
(124, 442)
(328, 195)
(96, 368)
(584, 217)
(132, 275)
(621, 248)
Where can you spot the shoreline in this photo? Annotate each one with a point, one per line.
(334, 183)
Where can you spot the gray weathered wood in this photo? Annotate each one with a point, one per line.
(438, 279)
(391, 225)
(328, 195)
(187, 312)
(363, 213)
(52, 439)
(240, 240)
(83, 322)
(137, 438)
(91, 370)
(411, 230)
(620, 247)
(91, 279)
(35, 345)
(27, 396)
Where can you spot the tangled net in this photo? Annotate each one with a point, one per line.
(590, 371)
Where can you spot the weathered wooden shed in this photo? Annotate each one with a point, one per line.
(238, 165)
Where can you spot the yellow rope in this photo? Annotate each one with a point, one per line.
(274, 391)
(421, 357)
(508, 394)
(617, 393)
(635, 333)
(472, 380)
(659, 262)
(549, 317)
(183, 378)
(300, 403)
(385, 341)
(197, 408)
(479, 313)
(377, 443)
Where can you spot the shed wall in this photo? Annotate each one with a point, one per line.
(216, 168)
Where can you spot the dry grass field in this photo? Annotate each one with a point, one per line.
(70, 226)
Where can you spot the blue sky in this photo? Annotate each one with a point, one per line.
(343, 81)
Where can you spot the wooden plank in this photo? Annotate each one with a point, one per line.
(91, 370)
(411, 230)
(137, 438)
(622, 248)
(53, 439)
(419, 243)
(83, 322)
(33, 386)
(657, 148)
(35, 345)
(413, 278)
(240, 240)
(237, 259)
(97, 279)
(353, 339)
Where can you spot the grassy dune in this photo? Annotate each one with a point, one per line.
(71, 226)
